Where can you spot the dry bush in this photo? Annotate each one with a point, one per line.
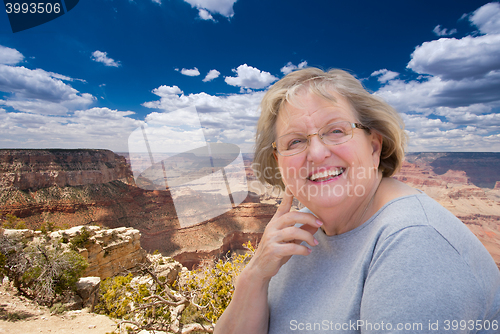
(191, 304)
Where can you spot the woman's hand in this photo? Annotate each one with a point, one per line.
(282, 239)
(248, 311)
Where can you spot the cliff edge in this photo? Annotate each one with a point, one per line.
(37, 169)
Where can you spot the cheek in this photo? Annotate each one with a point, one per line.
(292, 170)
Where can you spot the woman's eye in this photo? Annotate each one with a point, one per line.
(293, 143)
(335, 131)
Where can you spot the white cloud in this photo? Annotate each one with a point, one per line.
(62, 77)
(10, 56)
(452, 58)
(467, 118)
(205, 15)
(487, 18)
(229, 119)
(427, 135)
(443, 32)
(176, 118)
(102, 57)
(100, 114)
(454, 105)
(222, 7)
(250, 77)
(190, 72)
(163, 90)
(458, 72)
(157, 1)
(384, 75)
(435, 92)
(289, 67)
(101, 128)
(212, 74)
(39, 91)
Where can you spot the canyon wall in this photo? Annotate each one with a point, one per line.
(37, 169)
(56, 189)
(109, 198)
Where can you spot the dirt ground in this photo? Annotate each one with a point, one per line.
(21, 316)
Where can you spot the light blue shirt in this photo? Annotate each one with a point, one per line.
(413, 267)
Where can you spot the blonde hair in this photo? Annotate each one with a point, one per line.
(372, 112)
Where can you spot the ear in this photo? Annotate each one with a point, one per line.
(376, 144)
(275, 156)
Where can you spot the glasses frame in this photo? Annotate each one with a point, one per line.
(353, 126)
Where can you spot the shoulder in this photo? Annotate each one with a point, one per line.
(411, 216)
(417, 230)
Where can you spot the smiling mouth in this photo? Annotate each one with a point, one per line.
(326, 175)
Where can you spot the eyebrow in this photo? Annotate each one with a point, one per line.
(332, 120)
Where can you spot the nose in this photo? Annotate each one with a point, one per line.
(317, 150)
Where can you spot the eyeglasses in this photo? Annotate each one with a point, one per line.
(331, 134)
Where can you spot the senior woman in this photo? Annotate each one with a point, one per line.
(369, 254)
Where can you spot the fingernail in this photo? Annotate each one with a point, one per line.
(319, 223)
(316, 242)
(309, 250)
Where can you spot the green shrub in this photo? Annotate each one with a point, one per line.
(115, 299)
(47, 227)
(213, 284)
(12, 222)
(42, 271)
(14, 315)
(80, 239)
(57, 308)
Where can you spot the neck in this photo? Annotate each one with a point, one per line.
(348, 217)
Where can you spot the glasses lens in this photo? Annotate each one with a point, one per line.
(336, 133)
(291, 144)
(331, 134)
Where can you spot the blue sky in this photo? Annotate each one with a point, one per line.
(89, 78)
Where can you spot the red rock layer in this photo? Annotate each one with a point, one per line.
(37, 169)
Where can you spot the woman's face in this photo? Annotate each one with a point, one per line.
(324, 176)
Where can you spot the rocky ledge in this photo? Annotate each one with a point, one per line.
(108, 251)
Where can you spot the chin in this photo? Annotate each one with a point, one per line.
(323, 196)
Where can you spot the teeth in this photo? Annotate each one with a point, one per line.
(328, 173)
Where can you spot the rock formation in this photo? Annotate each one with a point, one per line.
(37, 169)
(480, 167)
(87, 289)
(107, 251)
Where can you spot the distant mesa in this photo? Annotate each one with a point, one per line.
(482, 168)
(213, 176)
(38, 169)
